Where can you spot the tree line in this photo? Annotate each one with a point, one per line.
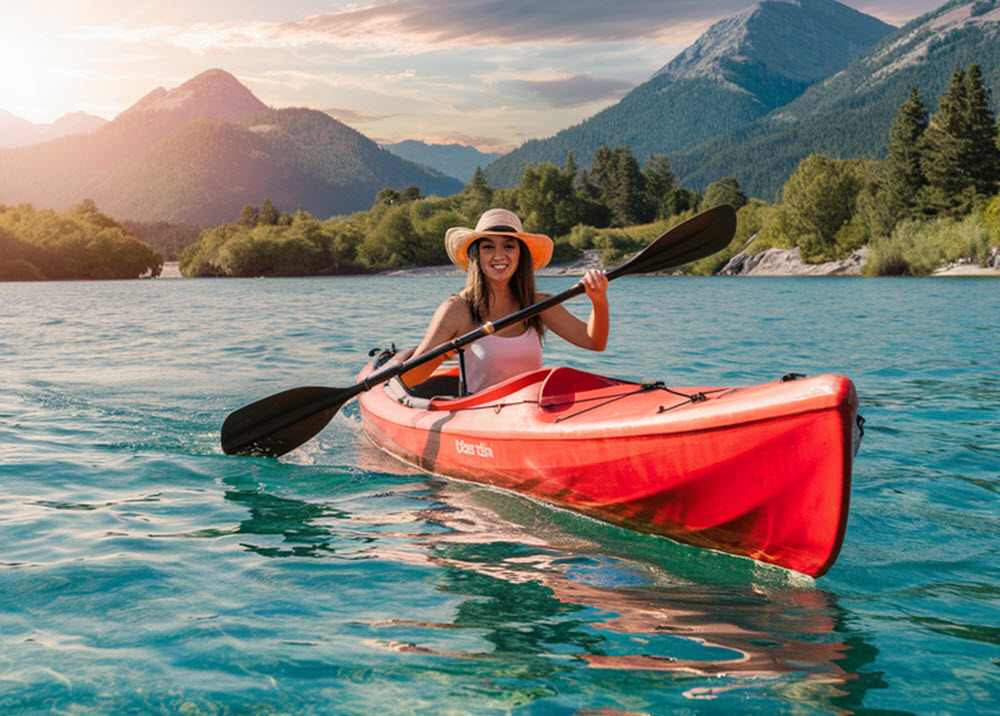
(407, 229)
(81, 243)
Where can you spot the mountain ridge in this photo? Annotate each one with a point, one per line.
(200, 152)
(742, 68)
(454, 160)
(848, 115)
(19, 132)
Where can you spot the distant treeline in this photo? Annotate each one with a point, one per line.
(932, 200)
(407, 229)
(81, 243)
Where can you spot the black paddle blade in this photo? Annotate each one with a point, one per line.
(700, 236)
(280, 423)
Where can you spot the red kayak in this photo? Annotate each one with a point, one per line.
(761, 471)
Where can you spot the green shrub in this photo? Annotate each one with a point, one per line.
(918, 248)
(582, 236)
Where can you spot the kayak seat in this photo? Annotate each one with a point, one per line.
(563, 384)
(419, 396)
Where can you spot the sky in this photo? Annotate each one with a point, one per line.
(485, 73)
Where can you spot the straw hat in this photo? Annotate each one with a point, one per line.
(496, 222)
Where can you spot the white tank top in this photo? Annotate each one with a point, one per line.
(493, 359)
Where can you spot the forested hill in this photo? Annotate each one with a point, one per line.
(738, 71)
(202, 151)
(208, 170)
(849, 114)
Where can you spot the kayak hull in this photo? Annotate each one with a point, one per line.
(761, 471)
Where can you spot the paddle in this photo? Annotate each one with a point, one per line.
(280, 423)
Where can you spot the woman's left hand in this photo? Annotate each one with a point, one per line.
(595, 282)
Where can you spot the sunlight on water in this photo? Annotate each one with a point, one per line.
(144, 572)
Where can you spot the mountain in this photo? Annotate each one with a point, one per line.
(213, 93)
(849, 114)
(200, 152)
(17, 132)
(739, 70)
(208, 170)
(455, 160)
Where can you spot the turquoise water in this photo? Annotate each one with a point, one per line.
(142, 571)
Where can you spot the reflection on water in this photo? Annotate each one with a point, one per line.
(538, 602)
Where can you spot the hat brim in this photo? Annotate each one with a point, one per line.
(457, 241)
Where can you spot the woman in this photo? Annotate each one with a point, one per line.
(500, 261)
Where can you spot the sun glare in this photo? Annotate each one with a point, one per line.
(28, 84)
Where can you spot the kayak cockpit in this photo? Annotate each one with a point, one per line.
(441, 391)
(422, 395)
(550, 388)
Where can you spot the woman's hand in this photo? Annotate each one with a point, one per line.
(595, 283)
(594, 333)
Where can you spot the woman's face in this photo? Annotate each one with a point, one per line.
(498, 257)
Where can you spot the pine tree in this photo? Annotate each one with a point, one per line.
(630, 204)
(478, 185)
(660, 182)
(959, 152)
(476, 197)
(249, 216)
(601, 174)
(571, 168)
(981, 129)
(902, 177)
(268, 213)
(620, 186)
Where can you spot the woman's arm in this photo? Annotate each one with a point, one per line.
(446, 325)
(594, 333)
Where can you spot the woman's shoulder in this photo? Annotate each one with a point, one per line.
(455, 302)
(454, 309)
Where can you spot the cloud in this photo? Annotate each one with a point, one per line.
(407, 26)
(513, 21)
(574, 90)
(414, 26)
(350, 117)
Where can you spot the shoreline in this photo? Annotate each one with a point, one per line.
(773, 263)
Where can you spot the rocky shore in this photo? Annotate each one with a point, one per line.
(783, 262)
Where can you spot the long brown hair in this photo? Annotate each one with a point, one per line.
(522, 286)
